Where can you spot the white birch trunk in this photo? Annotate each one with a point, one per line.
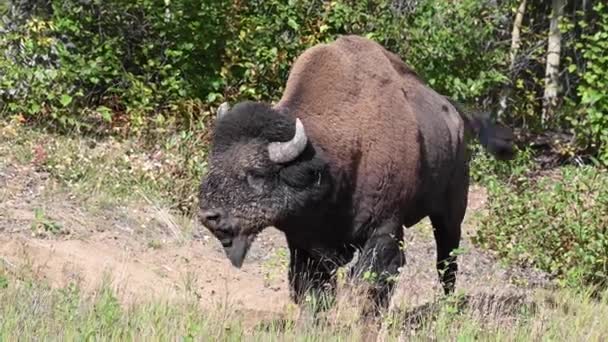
(550, 99)
(516, 33)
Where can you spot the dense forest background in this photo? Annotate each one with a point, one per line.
(154, 72)
(130, 66)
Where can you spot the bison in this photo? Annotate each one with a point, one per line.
(357, 148)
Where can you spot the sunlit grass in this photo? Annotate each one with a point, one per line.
(30, 310)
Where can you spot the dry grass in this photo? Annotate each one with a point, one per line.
(29, 310)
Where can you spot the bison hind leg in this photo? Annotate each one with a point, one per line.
(447, 233)
(447, 220)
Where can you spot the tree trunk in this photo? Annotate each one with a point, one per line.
(516, 33)
(550, 99)
(515, 42)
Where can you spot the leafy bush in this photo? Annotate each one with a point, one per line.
(557, 223)
(459, 56)
(590, 120)
(267, 36)
(128, 66)
(127, 63)
(485, 168)
(31, 84)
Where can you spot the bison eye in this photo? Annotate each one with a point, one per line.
(256, 181)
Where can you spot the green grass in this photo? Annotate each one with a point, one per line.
(29, 310)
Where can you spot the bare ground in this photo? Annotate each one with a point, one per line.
(148, 252)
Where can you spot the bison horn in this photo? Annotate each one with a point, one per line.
(284, 152)
(222, 109)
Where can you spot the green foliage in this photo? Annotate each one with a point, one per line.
(457, 56)
(106, 313)
(3, 6)
(275, 266)
(590, 119)
(269, 35)
(528, 70)
(557, 223)
(31, 84)
(453, 45)
(112, 63)
(129, 65)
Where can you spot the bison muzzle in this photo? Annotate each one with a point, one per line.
(358, 147)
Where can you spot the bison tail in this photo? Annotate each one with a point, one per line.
(495, 138)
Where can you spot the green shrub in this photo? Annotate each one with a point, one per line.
(557, 223)
(485, 168)
(128, 64)
(267, 36)
(31, 83)
(458, 55)
(125, 63)
(590, 119)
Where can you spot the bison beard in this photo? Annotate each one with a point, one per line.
(357, 148)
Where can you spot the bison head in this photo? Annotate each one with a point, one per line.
(263, 171)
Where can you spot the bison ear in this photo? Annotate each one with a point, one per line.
(284, 152)
(222, 110)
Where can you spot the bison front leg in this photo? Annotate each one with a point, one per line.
(311, 276)
(379, 263)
